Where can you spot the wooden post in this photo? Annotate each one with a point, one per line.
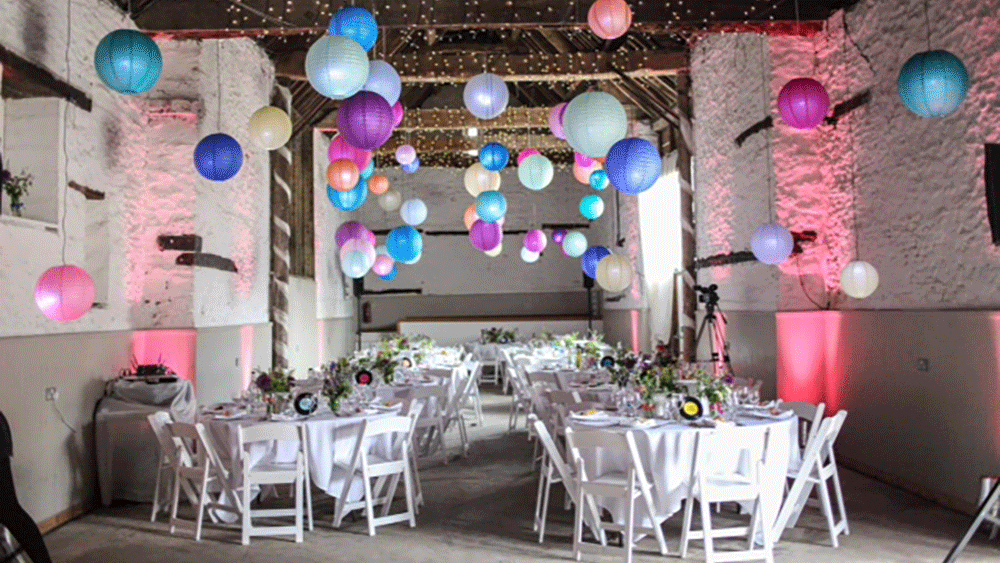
(685, 154)
(281, 212)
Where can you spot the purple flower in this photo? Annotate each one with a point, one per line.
(6, 176)
(729, 380)
(264, 382)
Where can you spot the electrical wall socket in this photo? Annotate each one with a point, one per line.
(51, 393)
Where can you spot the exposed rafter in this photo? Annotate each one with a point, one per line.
(460, 119)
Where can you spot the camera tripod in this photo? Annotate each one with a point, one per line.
(715, 321)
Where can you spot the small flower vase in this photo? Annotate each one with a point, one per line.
(15, 208)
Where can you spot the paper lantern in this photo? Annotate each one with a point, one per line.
(591, 207)
(365, 120)
(337, 67)
(593, 122)
(470, 216)
(406, 154)
(556, 120)
(933, 83)
(591, 258)
(383, 265)
(535, 241)
(535, 172)
(384, 81)
(494, 252)
(529, 256)
(486, 95)
(270, 127)
(413, 260)
(478, 180)
(413, 211)
(583, 160)
(357, 23)
(614, 273)
(354, 265)
(218, 157)
(391, 275)
(491, 206)
(351, 200)
(582, 173)
(390, 200)
(859, 279)
(340, 148)
(558, 236)
(128, 61)
(363, 246)
(633, 166)
(411, 167)
(525, 154)
(803, 103)
(382, 250)
(599, 180)
(378, 184)
(494, 157)
(397, 114)
(575, 244)
(342, 175)
(367, 172)
(609, 19)
(485, 236)
(404, 244)
(351, 230)
(64, 293)
(772, 244)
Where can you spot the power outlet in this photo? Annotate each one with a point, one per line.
(51, 393)
(923, 364)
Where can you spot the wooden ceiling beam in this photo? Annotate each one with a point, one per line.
(461, 119)
(515, 143)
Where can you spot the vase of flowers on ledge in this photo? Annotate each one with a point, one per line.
(16, 187)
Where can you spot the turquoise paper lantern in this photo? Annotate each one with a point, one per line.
(337, 66)
(933, 83)
(491, 206)
(128, 62)
(404, 244)
(494, 157)
(358, 24)
(591, 207)
(351, 200)
(599, 180)
(535, 172)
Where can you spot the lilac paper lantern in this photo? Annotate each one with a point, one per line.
(803, 103)
(485, 236)
(772, 244)
(555, 120)
(535, 240)
(353, 230)
(64, 293)
(558, 236)
(365, 120)
(406, 154)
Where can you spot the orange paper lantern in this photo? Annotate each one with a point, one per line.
(470, 216)
(342, 175)
(609, 19)
(582, 173)
(378, 184)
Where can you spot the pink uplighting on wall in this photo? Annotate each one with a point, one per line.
(634, 314)
(801, 355)
(995, 390)
(246, 356)
(175, 348)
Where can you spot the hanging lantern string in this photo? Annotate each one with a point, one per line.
(767, 135)
(797, 17)
(854, 154)
(65, 145)
(218, 77)
(927, 17)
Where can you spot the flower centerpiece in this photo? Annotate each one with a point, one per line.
(497, 335)
(274, 386)
(336, 383)
(716, 390)
(16, 187)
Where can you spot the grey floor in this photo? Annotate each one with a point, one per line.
(480, 509)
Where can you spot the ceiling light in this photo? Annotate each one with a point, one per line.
(473, 132)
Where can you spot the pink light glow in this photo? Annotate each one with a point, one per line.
(995, 388)
(635, 330)
(802, 344)
(175, 348)
(246, 355)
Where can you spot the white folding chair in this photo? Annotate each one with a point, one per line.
(627, 486)
(413, 410)
(992, 517)
(170, 452)
(428, 436)
(270, 472)
(385, 469)
(198, 470)
(809, 416)
(488, 356)
(708, 484)
(555, 470)
(473, 404)
(520, 399)
(819, 466)
(453, 414)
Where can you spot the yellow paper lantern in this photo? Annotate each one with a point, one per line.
(614, 273)
(478, 180)
(495, 252)
(270, 127)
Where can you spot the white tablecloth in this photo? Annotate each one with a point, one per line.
(667, 452)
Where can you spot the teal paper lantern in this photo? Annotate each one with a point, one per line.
(404, 244)
(337, 66)
(933, 83)
(535, 172)
(575, 244)
(491, 206)
(351, 200)
(591, 207)
(128, 62)
(599, 180)
(369, 170)
(593, 122)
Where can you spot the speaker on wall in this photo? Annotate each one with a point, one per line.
(359, 287)
(588, 282)
(993, 189)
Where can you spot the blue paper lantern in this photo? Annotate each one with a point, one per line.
(411, 167)
(633, 166)
(384, 81)
(491, 206)
(486, 95)
(413, 260)
(369, 170)
(404, 244)
(591, 257)
(599, 180)
(128, 62)
(391, 275)
(494, 157)
(336, 66)
(351, 200)
(218, 157)
(933, 83)
(591, 207)
(358, 24)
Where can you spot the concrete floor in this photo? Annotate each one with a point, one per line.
(480, 509)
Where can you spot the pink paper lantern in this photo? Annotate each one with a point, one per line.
(525, 154)
(609, 19)
(535, 240)
(583, 160)
(365, 120)
(397, 114)
(353, 230)
(485, 236)
(803, 103)
(383, 265)
(362, 246)
(64, 293)
(555, 120)
(340, 148)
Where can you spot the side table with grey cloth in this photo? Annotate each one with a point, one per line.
(128, 455)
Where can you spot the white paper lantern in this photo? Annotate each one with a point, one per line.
(478, 180)
(270, 127)
(390, 200)
(413, 212)
(337, 66)
(772, 244)
(529, 256)
(859, 279)
(614, 273)
(486, 95)
(593, 122)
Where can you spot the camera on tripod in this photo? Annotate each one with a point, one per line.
(708, 295)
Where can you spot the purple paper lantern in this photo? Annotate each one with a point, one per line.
(353, 230)
(485, 236)
(365, 120)
(555, 120)
(558, 236)
(535, 240)
(803, 103)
